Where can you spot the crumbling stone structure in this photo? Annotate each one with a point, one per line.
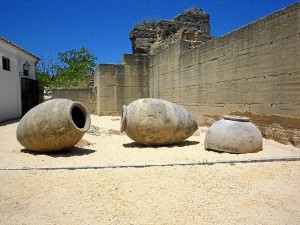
(253, 71)
(151, 37)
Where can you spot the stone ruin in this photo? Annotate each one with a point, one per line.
(251, 71)
(150, 37)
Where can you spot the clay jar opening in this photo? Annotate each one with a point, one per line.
(79, 117)
(123, 118)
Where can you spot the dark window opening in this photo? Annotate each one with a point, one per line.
(5, 63)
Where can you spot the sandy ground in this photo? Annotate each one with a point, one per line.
(256, 193)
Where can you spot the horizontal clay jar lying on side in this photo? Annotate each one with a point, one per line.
(233, 134)
(53, 125)
(151, 121)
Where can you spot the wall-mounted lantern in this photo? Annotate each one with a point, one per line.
(26, 68)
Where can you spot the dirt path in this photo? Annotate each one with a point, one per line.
(258, 193)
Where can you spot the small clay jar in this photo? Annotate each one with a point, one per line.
(53, 125)
(151, 121)
(233, 134)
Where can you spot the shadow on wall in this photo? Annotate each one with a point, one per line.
(8, 122)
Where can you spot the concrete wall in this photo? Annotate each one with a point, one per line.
(87, 96)
(253, 71)
(118, 85)
(10, 82)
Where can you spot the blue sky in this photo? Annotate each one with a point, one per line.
(46, 27)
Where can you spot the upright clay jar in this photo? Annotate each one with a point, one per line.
(233, 134)
(53, 125)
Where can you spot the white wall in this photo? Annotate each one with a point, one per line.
(10, 82)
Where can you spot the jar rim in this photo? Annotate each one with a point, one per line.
(236, 118)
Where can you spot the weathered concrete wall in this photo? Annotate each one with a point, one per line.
(118, 85)
(87, 96)
(254, 70)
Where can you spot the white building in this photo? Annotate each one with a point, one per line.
(14, 62)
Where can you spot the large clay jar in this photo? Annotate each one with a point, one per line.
(157, 122)
(233, 134)
(53, 125)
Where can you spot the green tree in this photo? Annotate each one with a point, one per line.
(75, 68)
(45, 71)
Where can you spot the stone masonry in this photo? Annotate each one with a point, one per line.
(253, 71)
(151, 37)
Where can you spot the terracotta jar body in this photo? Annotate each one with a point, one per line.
(53, 125)
(233, 134)
(157, 122)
